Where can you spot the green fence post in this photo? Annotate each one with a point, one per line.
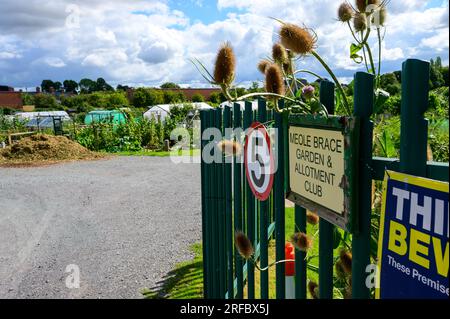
(300, 256)
(227, 125)
(238, 212)
(213, 218)
(263, 222)
(205, 202)
(326, 229)
(414, 128)
(248, 119)
(279, 198)
(220, 221)
(363, 103)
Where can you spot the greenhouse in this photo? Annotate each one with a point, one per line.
(115, 117)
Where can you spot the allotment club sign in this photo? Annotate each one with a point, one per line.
(322, 166)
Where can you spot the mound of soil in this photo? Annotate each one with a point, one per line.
(41, 148)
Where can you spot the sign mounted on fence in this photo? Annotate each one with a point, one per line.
(413, 249)
(259, 161)
(322, 166)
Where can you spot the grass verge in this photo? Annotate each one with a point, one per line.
(186, 280)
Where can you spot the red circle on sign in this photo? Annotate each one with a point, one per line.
(261, 195)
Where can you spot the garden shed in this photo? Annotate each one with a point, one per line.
(112, 116)
(28, 116)
(161, 111)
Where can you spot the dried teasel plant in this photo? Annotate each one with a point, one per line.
(230, 148)
(224, 69)
(302, 241)
(295, 42)
(245, 249)
(366, 15)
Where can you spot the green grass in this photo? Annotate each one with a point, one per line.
(194, 152)
(186, 280)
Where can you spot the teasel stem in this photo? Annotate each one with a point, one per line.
(243, 97)
(309, 72)
(338, 84)
(379, 56)
(369, 52)
(353, 32)
(227, 93)
(289, 85)
(311, 267)
(372, 64)
(365, 59)
(273, 264)
(293, 75)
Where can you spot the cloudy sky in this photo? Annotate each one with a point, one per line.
(146, 43)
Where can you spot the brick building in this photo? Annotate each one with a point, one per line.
(11, 99)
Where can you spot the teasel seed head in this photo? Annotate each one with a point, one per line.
(225, 65)
(313, 289)
(243, 245)
(229, 147)
(312, 218)
(340, 272)
(345, 257)
(279, 53)
(362, 4)
(297, 39)
(301, 241)
(345, 12)
(360, 22)
(274, 79)
(263, 65)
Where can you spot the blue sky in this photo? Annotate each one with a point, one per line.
(148, 42)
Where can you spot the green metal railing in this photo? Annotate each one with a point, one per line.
(228, 203)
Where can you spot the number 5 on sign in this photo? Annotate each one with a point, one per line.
(259, 161)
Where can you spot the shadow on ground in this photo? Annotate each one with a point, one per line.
(184, 282)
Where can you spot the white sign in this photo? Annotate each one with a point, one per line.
(316, 158)
(259, 161)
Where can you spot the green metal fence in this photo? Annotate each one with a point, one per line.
(228, 203)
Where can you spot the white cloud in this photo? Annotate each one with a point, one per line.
(147, 42)
(438, 42)
(49, 61)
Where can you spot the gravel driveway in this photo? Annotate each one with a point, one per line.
(124, 222)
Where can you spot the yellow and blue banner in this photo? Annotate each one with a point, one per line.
(413, 248)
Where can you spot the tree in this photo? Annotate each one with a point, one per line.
(46, 85)
(70, 86)
(101, 85)
(436, 77)
(444, 72)
(45, 101)
(121, 87)
(27, 99)
(171, 97)
(57, 85)
(390, 84)
(217, 98)
(198, 98)
(143, 97)
(170, 85)
(87, 86)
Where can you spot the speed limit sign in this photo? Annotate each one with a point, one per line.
(259, 161)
